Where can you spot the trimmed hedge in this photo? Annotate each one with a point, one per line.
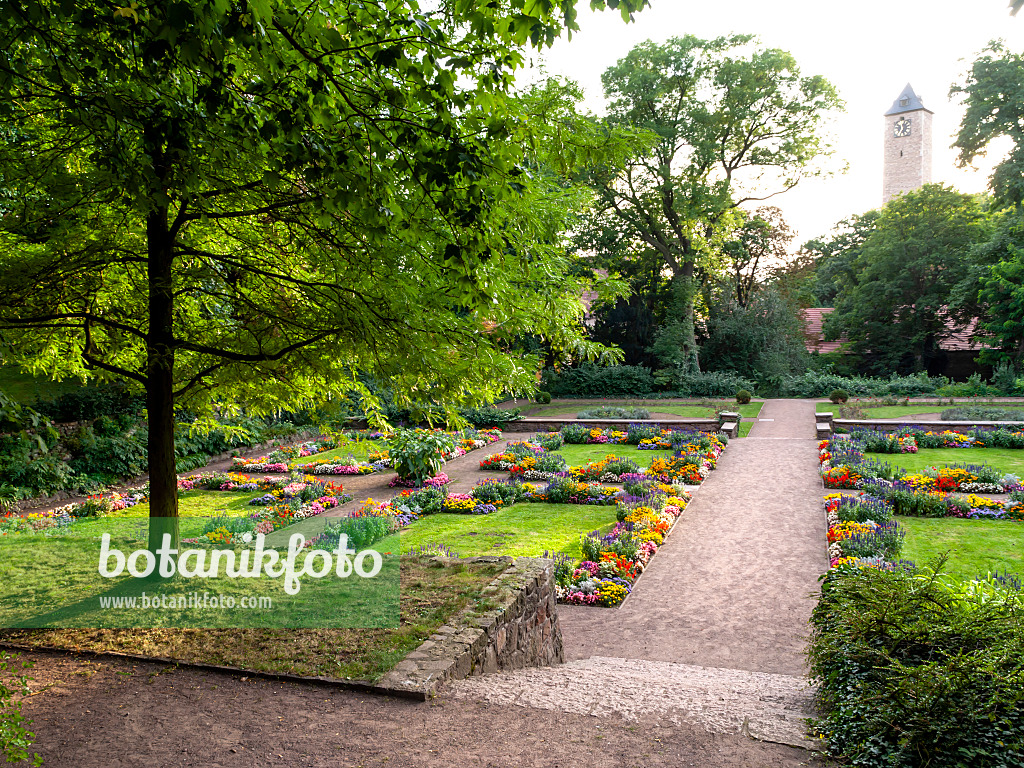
(913, 671)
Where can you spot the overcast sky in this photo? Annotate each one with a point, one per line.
(869, 49)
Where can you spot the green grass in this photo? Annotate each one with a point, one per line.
(1005, 459)
(430, 596)
(975, 547)
(683, 411)
(520, 530)
(745, 427)
(202, 504)
(359, 451)
(26, 388)
(577, 455)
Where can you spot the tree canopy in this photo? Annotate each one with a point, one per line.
(727, 123)
(895, 302)
(255, 203)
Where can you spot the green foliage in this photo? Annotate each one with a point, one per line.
(575, 434)
(490, 416)
(423, 501)
(743, 397)
(1004, 378)
(838, 396)
(418, 454)
(912, 671)
(709, 384)
(362, 532)
(495, 491)
(15, 738)
(761, 340)
(551, 442)
(598, 381)
(542, 397)
(89, 403)
(895, 307)
(672, 201)
(614, 412)
(982, 413)
(222, 204)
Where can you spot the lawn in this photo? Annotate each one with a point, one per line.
(1005, 459)
(898, 411)
(520, 530)
(975, 547)
(683, 411)
(358, 450)
(430, 597)
(26, 388)
(577, 455)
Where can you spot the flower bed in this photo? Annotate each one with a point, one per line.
(909, 440)
(844, 466)
(228, 481)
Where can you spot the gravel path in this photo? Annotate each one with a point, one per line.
(715, 630)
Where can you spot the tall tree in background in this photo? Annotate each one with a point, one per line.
(896, 307)
(729, 123)
(255, 202)
(761, 243)
(994, 95)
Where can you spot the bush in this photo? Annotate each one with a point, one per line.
(614, 413)
(596, 381)
(913, 671)
(489, 416)
(1004, 378)
(838, 396)
(419, 454)
(542, 397)
(15, 738)
(91, 402)
(982, 413)
(743, 397)
(710, 384)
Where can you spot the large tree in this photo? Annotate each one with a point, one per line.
(254, 203)
(728, 123)
(896, 304)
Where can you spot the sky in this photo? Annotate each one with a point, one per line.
(868, 49)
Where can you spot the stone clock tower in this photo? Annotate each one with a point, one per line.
(908, 146)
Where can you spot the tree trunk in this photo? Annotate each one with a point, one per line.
(163, 479)
(687, 291)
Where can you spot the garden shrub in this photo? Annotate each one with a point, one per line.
(91, 402)
(838, 396)
(711, 384)
(542, 397)
(915, 671)
(982, 413)
(590, 380)
(614, 412)
(428, 500)
(551, 442)
(1004, 379)
(419, 454)
(742, 397)
(489, 416)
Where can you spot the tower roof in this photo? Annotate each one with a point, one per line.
(907, 101)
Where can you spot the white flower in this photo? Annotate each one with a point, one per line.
(246, 538)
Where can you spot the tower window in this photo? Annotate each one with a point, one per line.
(905, 101)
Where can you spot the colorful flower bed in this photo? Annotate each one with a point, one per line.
(910, 440)
(844, 466)
(228, 481)
(611, 562)
(862, 533)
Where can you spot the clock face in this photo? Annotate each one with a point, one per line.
(901, 127)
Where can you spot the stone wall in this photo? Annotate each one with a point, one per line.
(519, 629)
